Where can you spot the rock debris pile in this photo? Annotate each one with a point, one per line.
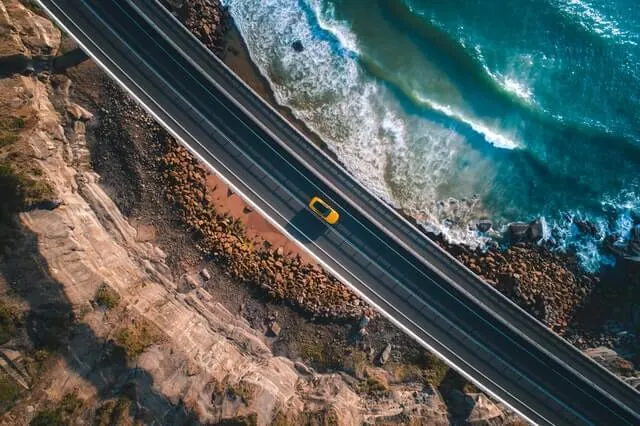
(282, 277)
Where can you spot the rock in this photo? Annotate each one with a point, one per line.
(612, 361)
(191, 282)
(484, 225)
(275, 329)
(79, 113)
(517, 231)
(587, 228)
(483, 409)
(611, 245)
(386, 353)
(297, 46)
(206, 275)
(364, 322)
(47, 205)
(633, 247)
(521, 231)
(535, 231)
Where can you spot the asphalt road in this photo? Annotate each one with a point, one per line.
(423, 290)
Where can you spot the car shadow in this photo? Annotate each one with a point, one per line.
(306, 226)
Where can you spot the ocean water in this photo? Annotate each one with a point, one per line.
(458, 110)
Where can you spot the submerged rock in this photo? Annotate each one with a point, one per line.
(587, 228)
(297, 46)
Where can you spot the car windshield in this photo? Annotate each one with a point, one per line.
(321, 208)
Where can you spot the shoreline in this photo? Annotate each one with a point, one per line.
(236, 57)
(521, 284)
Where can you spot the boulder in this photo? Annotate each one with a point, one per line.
(79, 113)
(522, 231)
(517, 231)
(484, 225)
(206, 275)
(274, 329)
(587, 228)
(386, 353)
(535, 231)
(483, 409)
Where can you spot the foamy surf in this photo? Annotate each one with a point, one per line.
(447, 147)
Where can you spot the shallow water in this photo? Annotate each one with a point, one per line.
(460, 109)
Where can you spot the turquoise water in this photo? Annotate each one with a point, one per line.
(464, 109)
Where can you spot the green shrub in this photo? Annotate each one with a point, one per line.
(107, 297)
(9, 319)
(59, 415)
(437, 370)
(19, 191)
(137, 338)
(9, 392)
(9, 127)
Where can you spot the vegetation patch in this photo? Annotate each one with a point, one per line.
(107, 297)
(113, 412)
(436, 370)
(374, 383)
(19, 190)
(9, 130)
(406, 372)
(243, 391)
(9, 322)
(9, 392)
(137, 337)
(60, 414)
(320, 355)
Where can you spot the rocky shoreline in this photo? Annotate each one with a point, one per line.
(549, 285)
(588, 309)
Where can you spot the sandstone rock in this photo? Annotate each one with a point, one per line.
(79, 113)
(191, 282)
(206, 275)
(612, 361)
(385, 355)
(483, 409)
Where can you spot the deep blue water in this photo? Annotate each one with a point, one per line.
(456, 110)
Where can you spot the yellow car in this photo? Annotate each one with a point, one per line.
(322, 209)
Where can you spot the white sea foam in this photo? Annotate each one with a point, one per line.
(328, 22)
(517, 88)
(511, 80)
(325, 90)
(492, 136)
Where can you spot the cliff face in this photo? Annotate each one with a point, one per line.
(132, 336)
